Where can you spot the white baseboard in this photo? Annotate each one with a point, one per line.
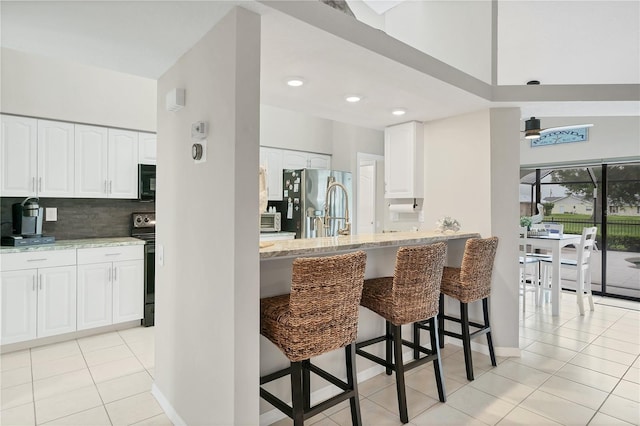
(167, 407)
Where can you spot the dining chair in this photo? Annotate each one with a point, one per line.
(529, 282)
(581, 265)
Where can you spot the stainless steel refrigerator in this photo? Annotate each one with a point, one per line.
(305, 210)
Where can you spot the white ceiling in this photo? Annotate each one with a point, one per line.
(146, 37)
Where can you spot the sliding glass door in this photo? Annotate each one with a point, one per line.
(606, 196)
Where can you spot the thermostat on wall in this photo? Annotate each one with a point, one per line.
(199, 130)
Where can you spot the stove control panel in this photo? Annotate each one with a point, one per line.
(144, 220)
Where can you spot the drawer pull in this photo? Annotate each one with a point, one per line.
(112, 254)
(37, 260)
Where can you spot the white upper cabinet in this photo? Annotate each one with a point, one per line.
(271, 160)
(91, 162)
(319, 161)
(106, 163)
(123, 164)
(404, 161)
(147, 148)
(294, 160)
(55, 159)
(18, 156)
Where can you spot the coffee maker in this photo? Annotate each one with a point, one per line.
(27, 224)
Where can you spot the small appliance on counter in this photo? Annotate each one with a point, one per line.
(270, 222)
(27, 225)
(143, 226)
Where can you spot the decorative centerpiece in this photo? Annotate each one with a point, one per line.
(525, 221)
(448, 224)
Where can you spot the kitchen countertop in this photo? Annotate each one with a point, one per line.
(75, 244)
(313, 246)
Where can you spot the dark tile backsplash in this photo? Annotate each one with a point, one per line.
(82, 217)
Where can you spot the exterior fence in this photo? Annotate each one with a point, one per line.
(622, 235)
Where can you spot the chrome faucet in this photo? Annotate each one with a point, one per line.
(327, 207)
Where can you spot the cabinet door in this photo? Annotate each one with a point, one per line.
(18, 156)
(18, 310)
(398, 161)
(91, 150)
(55, 159)
(319, 161)
(294, 160)
(123, 164)
(147, 148)
(56, 300)
(128, 290)
(95, 295)
(271, 159)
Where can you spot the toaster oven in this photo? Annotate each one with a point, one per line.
(270, 222)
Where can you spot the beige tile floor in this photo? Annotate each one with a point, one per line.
(573, 371)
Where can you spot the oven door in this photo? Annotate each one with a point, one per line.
(149, 284)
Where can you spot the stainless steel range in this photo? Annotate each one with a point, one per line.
(143, 226)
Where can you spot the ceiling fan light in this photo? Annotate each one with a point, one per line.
(532, 134)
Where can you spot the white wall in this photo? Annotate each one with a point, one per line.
(283, 128)
(471, 174)
(207, 292)
(609, 139)
(50, 88)
(455, 32)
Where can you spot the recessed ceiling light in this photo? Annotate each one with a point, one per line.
(295, 81)
(398, 111)
(353, 98)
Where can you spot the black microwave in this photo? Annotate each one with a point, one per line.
(146, 182)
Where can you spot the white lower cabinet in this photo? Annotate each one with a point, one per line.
(110, 285)
(49, 292)
(95, 300)
(37, 302)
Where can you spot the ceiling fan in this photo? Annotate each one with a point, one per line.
(532, 128)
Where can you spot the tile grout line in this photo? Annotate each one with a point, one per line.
(104, 407)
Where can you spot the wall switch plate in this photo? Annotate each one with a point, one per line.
(160, 252)
(421, 216)
(51, 214)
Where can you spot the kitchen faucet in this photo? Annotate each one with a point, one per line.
(327, 207)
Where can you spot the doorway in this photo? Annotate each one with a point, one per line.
(369, 166)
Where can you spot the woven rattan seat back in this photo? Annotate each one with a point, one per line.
(322, 313)
(416, 282)
(472, 281)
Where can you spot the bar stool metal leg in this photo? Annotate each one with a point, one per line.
(399, 364)
(485, 313)
(389, 347)
(352, 381)
(441, 320)
(297, 393)
(437, 363)
(466, 339)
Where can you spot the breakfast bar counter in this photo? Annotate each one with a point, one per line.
(328, 245)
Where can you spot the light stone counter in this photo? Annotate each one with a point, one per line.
(314, 246)
(75, 244)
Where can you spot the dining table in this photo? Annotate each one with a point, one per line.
(554, 243)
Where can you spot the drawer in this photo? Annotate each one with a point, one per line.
(110, 254)
(37, 259)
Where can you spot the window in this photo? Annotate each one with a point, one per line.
(613, 209)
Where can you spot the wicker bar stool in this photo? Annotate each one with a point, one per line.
(410, 295)
(469, 283)
(319, 315)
